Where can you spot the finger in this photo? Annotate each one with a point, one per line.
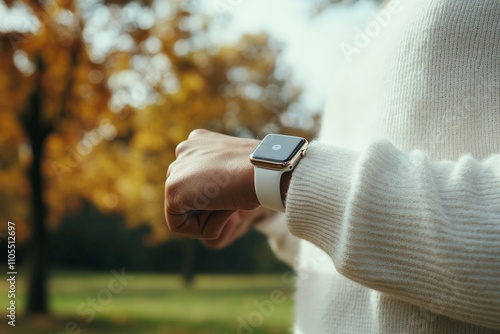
(227, 235)
(200, 225)
(241, 228)
(214, 224)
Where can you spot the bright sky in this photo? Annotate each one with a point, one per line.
(311, 45)
(18, 18)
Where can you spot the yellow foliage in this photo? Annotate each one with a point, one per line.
(193, 82)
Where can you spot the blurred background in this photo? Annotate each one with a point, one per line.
(94, 97)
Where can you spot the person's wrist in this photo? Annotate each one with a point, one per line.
(284, 184)
(274, 159)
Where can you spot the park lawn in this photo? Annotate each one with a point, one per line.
(154, 303)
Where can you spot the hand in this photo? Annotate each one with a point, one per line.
(211, 179)
(237, 225)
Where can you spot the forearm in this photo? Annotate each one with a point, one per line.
(427, 233)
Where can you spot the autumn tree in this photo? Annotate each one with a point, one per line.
(95, 95)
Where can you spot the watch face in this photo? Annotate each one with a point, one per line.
(278, 148)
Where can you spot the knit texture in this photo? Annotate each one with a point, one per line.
(401, 234)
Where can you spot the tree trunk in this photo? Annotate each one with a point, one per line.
(188, 263)
(37, 132)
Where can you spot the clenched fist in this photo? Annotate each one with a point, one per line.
(208, 186)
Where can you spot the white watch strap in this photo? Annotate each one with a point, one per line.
(268, 188)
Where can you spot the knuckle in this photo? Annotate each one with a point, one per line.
(181, 147)
(197, 132)
(172, 199)
(170, 169)
(171, 190)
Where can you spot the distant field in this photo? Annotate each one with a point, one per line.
(101, 303)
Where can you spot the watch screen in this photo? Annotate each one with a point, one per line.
(278, 148)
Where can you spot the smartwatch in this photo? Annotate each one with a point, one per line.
(275, 155)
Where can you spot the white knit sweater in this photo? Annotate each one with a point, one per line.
(402, 234)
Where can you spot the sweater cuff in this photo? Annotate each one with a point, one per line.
(319, 188)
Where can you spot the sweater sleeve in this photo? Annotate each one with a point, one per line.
(283, 244)
(425, 232)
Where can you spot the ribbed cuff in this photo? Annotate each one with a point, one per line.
(319, 188)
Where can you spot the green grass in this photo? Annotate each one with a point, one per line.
(156, 304)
